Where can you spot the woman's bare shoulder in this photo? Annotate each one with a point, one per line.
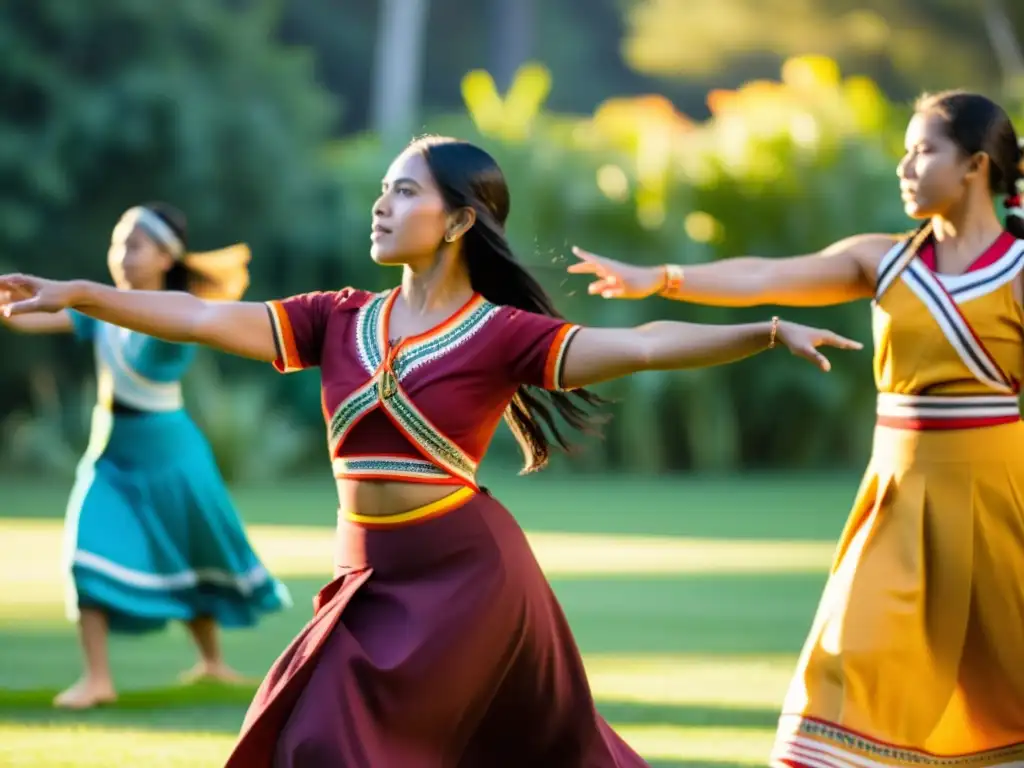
(867, 245)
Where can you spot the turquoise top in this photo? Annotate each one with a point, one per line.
(134, 369)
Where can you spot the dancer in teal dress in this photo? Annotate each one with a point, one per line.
(151, 534)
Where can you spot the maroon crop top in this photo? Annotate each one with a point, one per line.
(423, 409)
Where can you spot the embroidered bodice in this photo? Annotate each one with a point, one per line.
(134, 369)
(949, 349)
(942, 334)
(421, 409)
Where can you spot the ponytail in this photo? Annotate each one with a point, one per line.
(1015, 199)
(496, 275)
(468, 177)
(221, 275)
(1015, 221)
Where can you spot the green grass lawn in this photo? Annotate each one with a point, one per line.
(689, 598)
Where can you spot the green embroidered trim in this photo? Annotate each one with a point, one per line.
(433, 444)
(354, 407)
(444, 452)
(370, 333)
(386, 465)
(384, 389)
(413, 356)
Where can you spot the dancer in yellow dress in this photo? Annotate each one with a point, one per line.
(914, 657)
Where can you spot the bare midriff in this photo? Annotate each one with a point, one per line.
(380, 498)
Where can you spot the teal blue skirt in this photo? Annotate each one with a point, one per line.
(151, 534)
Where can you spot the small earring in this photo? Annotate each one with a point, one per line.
(449, 237)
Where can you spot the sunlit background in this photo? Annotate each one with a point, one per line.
(689, 544)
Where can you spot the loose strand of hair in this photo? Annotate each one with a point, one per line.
(1015, 226)
(1014, 222)
(531, 415)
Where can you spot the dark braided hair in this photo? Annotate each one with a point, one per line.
(975, 123)
(468, 177)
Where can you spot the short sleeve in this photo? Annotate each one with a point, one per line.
(300, 324)
(82, 326)
(534, 347)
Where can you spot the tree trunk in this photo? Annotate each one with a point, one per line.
(398, 68)
(511, 38)
(1004, 44)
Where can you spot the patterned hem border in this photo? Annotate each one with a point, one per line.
(805, 742)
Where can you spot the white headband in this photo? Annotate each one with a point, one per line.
(154, 226)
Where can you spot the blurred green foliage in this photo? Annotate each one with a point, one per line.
(195, 102)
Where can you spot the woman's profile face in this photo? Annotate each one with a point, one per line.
(134, 258)
(934, 171)
(409, 217)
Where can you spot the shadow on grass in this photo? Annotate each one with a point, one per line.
(220, 708)
(198, 695)
(761, 506)
(714, 615)
(687, 715)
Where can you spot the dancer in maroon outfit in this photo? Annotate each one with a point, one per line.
(439, 643)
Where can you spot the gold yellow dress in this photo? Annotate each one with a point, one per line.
(916, 654)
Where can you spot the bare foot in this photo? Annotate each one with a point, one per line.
(86, 694)
(218, 672)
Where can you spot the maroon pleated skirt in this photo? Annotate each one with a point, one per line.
(439, 644)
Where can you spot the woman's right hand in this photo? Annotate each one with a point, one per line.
(803, 341)
(24, 294)
(616, 280)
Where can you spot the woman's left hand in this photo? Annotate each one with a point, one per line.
(22, 294)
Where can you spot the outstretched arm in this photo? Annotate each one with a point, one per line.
(551, 353)
(39, 323)
(843, 272)
(239, 328)
(600, 354)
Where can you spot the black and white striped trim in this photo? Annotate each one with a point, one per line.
(891, 266)
(946, 407)
(972, 285)
(926, 286)
(898, 257)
